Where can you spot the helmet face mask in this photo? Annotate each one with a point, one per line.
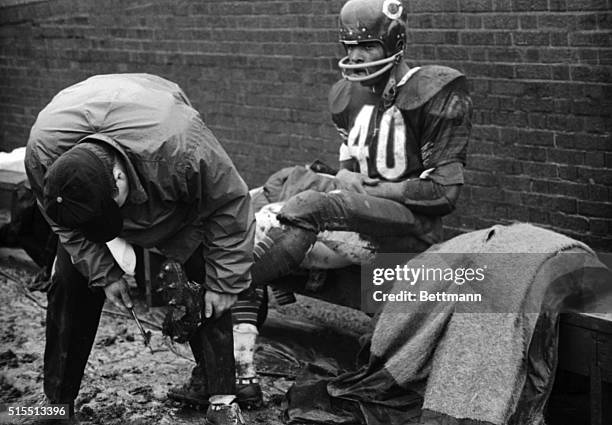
(371, 68)
(367, 21)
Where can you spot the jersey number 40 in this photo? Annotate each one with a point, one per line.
(389, 148)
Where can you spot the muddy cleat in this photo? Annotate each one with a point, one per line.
(224, 410)
(185, 301)
(248, 393)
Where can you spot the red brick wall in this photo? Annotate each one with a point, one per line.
(259, 72)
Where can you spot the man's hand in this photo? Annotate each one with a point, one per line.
(117, 293)
(355, 182)
(217, 303)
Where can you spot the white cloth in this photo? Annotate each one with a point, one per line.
(124, 255)
(13, 161)
(122, 252)
(332, 250)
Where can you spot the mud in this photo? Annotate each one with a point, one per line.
(125, 383)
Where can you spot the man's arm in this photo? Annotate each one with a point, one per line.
(228, 224)
(92, 260)
(227, 219)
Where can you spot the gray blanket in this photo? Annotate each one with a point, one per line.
(473, 366)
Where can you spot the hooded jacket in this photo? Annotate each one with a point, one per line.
(184, 190)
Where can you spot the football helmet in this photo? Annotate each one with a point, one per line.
(364, 21)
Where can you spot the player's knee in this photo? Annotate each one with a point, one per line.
(308, 198)
(304, 209)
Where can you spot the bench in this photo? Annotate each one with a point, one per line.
(585, 348)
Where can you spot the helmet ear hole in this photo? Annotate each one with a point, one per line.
(400, 45)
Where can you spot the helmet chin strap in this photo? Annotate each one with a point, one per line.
(390, 91)
(388, 62)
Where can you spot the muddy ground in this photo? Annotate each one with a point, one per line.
(125, 383)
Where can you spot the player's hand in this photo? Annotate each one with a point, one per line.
(216, 303)
(355, 182)
(118, 293)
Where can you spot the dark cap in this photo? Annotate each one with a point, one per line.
(78, 194)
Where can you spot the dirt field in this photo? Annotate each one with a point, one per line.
(126, 383)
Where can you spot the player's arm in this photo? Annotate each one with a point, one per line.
(339, 98)
(446, 129)
(345, 161)
(348, 175)
(423, 195)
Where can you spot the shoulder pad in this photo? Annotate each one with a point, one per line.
(346, 95)
(339, 96)
(424, 85)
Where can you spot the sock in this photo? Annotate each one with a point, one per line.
(245, 335)
(246, 310)
(283, 297)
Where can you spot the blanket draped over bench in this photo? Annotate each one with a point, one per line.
(495, 366)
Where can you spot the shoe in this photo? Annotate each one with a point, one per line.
(224, 410)
(185, 396)
(193, 394)
(248, 393)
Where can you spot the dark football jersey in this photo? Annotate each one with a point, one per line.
(427, 126)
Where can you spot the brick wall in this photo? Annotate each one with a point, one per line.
(540, 79)
(259, 72)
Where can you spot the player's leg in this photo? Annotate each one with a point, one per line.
(246, 318)
(283, 246)
(246, 315)
(73, 315)
(351, 211)
(306, 214)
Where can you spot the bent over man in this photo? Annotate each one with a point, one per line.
(128, 156)
(404, 134)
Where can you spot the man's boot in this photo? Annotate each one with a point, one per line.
(214, 374)
(194, 393)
